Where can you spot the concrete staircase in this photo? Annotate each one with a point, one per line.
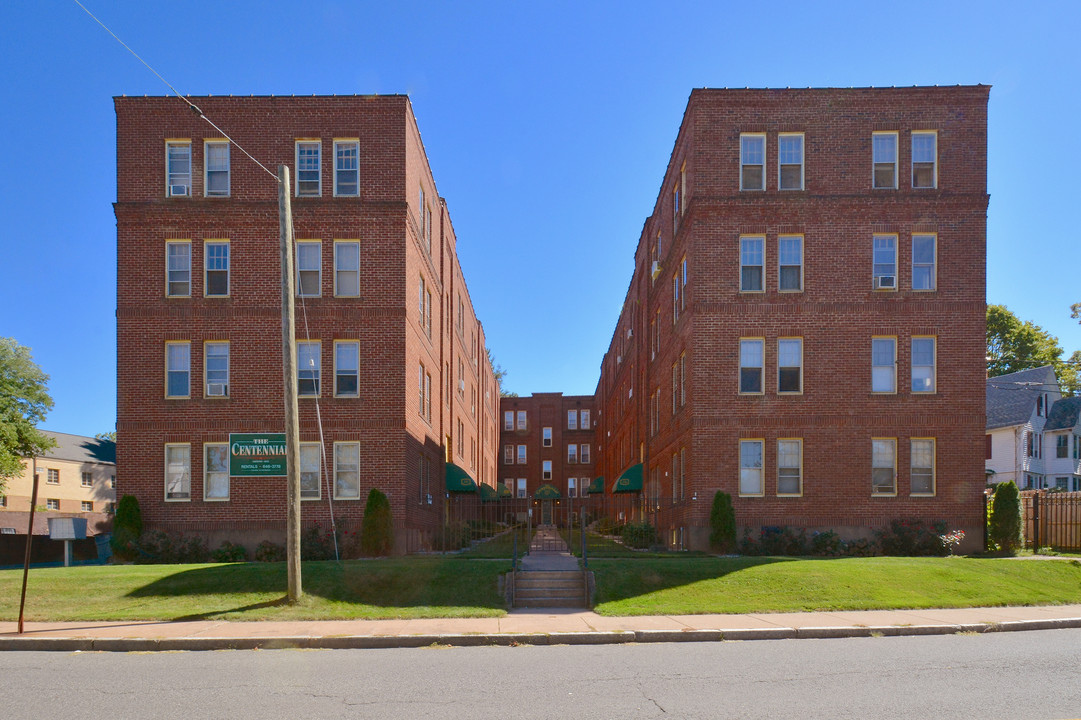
(549, 576)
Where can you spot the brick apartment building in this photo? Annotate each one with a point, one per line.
(395, 383)
(804, 327)
(548, 451)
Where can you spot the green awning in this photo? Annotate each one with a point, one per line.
(488, 493)
(630, 480)
(547, 492)
(503, 491)
(597, 486)
(458, 480)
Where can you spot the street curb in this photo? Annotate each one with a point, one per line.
(358, 642)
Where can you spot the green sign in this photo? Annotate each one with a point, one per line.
(257, 454)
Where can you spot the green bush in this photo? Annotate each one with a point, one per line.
(377, 528)
(639, 535)
(722, 523)
(315, 544)
(268, 551)
(1005, 529)
(127, 528)
(913, 538)
(157, 547)
(230, 552)
(828, 544)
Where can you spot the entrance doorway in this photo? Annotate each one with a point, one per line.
(546, 512)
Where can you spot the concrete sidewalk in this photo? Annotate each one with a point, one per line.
(526, 627)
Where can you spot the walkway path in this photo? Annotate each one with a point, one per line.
(548, 552)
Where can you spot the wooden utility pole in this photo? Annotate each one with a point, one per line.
(289, 385)
(29, 539)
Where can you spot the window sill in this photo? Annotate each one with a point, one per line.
(790, 495)
(750, 495)
(187, 499)
(215, 500)
(884, 494)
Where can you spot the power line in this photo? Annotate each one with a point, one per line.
(192, 106)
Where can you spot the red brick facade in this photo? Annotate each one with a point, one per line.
(682, 352)
(387, 214)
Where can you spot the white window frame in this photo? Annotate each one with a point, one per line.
(572, 453)
(584, 453)
(86, 479)
(317, 375)
(341, 273)
(508, 454)
(683, 283)
(345, 372)
(52, 476)
(877, 163)
(743, 163)
(572, 419)
(930, 471)
(338, 471)
(781, 165)
(307, 450)
(892, 365)
(508, 420)
(340, 171)
(883, 443)
(883, 243)
(572, 487)
(173, 366)
(931, 266)
(761, 366)
(52, 504)
(931, 381)
(87, 506)
(784, 346)
(546, 437)
(584, 423)
(170, 270)
(304, 174)
(748, 472)
(676, 303)
(207, 170)
(217, 375)
(523, 420)
(182, 485)
(546, 470)
(301, 269)
(748, 251)
(521, 489)
(933, 134)
(785, 245)
(179, 178)
(785, 468)
(207, 474)
(522, 455)
(225, 261)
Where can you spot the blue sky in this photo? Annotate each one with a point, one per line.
(548, 127)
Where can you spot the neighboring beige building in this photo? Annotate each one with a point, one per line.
(77, 476)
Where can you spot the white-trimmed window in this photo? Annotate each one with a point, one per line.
(676, 212)
(572, 487)
(922, 466)
(789, 466)
(347, 368)
(178, 168)
(88, 505)
(52, 476)
(677, 302)
(750, 467)
(883, 365)
(546, 470)
(216, 368)
(52, 504)
(311, 483)
(585, 420)
(346, 471)
(508, 454)
(177, 471)
(752, 263)
(923, 364)
(216, 268)
(883, 466)
(521, 455)
(884, 160)
(508, 419)
(309, 268)
(752, 161)
(546, 437)
(790, 263)
(178, 369)
(309, 175)
(346, 168)
(346, 268)
(521, 419)
(178, 268)
(790, 161)
(790, 365)
(428, 396)
(583, 452)
(309, 365)
(215, 471)
(683, 283)
(422, 290)
(925, 159)
(572, 453)
(924, 262)
(88, 478)
(884, 269)
(572, 419)
(216, 168)
(751, 365)
(521, 488)
(682, 379)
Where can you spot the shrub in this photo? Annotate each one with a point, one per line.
(722, 523)
(127, 528)
(268, 551)
(456, 535)
(913, 538)
(1005, 528)
(230, 552)
(316, 544)
(192, 549)
(377, 529)
(782, 541)
(639, 535)
(157, 547)
(827, 543)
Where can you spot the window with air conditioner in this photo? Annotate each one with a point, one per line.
(216, 368)
(885, 262)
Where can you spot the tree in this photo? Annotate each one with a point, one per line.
(1014, 344)
(24, 402)
(127, 527)
(722, 523)
(1004, 528)
(499, 373)
(376, 529)
(108, 435)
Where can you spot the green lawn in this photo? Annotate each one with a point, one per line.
(690, 586)
(455, 586)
